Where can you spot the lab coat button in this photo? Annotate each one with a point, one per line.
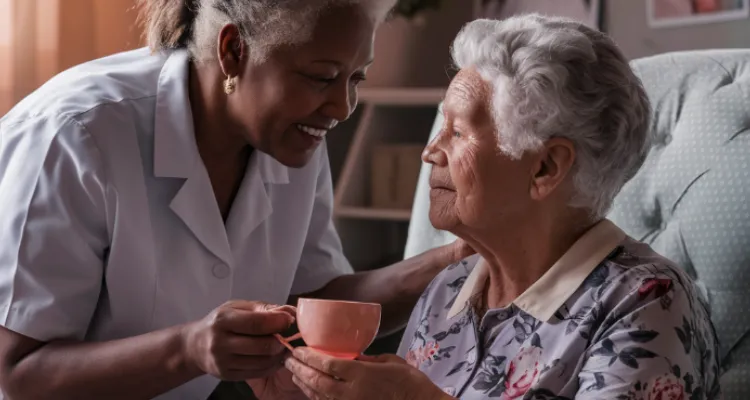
(221, 271)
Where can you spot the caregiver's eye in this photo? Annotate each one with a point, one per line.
(319, 79)
(322, 79)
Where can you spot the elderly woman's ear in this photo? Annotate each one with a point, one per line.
(551, 167)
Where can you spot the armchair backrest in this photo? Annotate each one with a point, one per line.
(691, 199)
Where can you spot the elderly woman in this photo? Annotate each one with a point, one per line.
(158, 203)
(544, 123)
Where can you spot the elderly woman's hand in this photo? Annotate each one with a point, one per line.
(386, 377)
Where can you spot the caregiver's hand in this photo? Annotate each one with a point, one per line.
(386, 377)
(234, 342)
(457, 251)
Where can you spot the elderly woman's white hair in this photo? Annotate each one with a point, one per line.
(555, 77)
(264, 24)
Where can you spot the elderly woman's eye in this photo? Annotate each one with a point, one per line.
(456, 134)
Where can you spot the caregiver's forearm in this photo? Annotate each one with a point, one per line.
(397, 287)
(140, 367)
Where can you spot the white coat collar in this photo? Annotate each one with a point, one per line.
(176, 156)
(175, 150)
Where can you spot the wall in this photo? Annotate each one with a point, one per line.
(575, 9)
(115, 26)
(626, 21)
(40, 38)
(415, 53)
(6, 66)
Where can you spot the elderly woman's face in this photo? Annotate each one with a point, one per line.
(473, 184)
(287, 104)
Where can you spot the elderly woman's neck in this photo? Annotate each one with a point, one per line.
(519, 259)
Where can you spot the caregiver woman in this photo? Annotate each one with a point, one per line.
(142, 192)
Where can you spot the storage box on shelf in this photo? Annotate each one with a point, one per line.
(394, 171)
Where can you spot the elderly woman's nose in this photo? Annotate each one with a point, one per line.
(340, 102)
(432, 154)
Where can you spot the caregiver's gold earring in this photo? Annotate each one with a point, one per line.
(230, 84)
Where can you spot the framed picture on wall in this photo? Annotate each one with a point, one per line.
(672, 13)
(586, 11)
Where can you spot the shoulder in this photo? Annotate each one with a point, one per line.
(443, 290)
(434, 304)
(636, 270)
(644, 308)
(636, 283)
(48, 156)
(47, 149)
(453, 277)
(44, 137)
(94, 107)
(118, 79)
(50, 168)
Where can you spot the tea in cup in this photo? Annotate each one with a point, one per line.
(342, 329)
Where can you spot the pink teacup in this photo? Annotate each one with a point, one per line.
(342, 329)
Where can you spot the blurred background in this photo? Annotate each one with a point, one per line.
(375, 155)
(39, 38)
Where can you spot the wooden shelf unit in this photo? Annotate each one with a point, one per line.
(408, 82)
(372, 237)
(402, 96)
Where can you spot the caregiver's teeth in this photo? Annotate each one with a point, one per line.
(312, 131)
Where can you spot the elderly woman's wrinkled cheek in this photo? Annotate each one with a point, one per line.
(469, 185)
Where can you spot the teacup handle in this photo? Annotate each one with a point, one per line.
(285, 341)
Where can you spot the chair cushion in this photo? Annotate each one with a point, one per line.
(691, 199)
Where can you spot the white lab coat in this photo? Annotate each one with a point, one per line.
(109, 227)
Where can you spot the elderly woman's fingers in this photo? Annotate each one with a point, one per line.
(335, 367)
(315, 380)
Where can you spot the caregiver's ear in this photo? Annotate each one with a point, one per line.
(232, 51)
(551, 166)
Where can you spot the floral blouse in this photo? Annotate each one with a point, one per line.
(610, 320)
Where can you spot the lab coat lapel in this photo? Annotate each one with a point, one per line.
(176, 156)
(196, 206)
(253, 203)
